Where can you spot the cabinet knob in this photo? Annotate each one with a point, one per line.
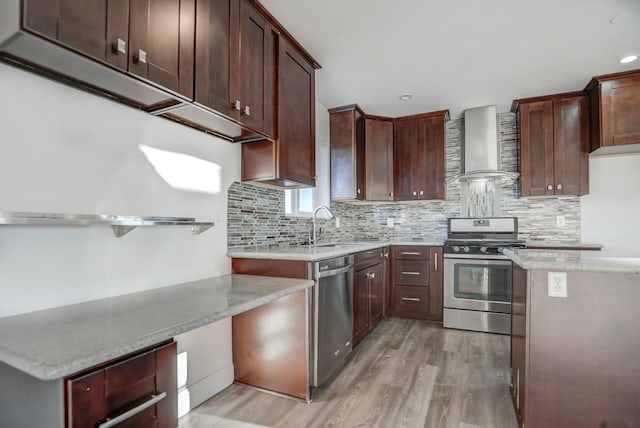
(414, 193)
(247, 111)
(373, 275)
(550, 187)
(120, 46)
(141, 57)
(391, 194)
(559, 187)
(421, 193)
(358, 191)
(236, 105)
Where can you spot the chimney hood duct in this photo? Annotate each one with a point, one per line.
(480, 151)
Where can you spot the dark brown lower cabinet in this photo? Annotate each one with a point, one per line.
(368, 293)
(574, 359)
(268, 355)
(138, 391)
(417, 282)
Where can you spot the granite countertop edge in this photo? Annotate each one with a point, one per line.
(310, 253)
(574, 261)
(43, 370)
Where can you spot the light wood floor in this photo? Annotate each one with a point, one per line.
(406, 373)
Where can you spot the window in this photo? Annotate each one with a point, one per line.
(299, 202)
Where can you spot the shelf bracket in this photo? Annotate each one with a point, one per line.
(119, 231)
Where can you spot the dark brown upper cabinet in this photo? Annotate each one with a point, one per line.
(554, 144)
(418, 156)
(290, 161)
(153, 40)
(615, 112)
(235, 62)
(378, 149)
(346, 137)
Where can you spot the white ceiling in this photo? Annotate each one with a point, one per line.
(457, 54)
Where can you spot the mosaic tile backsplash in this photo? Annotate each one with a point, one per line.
(256, 214)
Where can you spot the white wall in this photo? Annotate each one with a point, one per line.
(66, 151)
(611, 211)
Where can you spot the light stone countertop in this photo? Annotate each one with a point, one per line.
(55, 343)
(564, 244)
(321, 251)
(573, 260)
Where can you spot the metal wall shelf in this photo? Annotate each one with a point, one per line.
(120, 224)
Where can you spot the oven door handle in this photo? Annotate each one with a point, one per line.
(477, 257)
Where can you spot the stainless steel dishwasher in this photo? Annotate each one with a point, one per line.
(333, 316)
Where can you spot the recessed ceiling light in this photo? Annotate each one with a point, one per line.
(628, 59)
(405, 97)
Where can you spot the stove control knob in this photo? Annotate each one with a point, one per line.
(456, 248)
(466, 249)
(483, 249)
(500, 249)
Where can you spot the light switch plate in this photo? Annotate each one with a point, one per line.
(389, 221)
(560, 221)
(557, 284)
(337, 222)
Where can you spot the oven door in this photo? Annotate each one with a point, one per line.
(480, 283)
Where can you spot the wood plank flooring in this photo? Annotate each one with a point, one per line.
(407, 373)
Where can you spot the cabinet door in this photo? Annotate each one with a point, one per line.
(296, 121)
(620, 109)
(571, 145)
(405, 137)
(376, 295)
(346, 126)
(430, 168)
(536, 148)
(256, 71)
(360, 305)
(386, 278)
(378, 160)
(216, 22)
(82, 26)
(161, 36)
(518, 339)
(78, 24)
(435, 284)
(118, 33)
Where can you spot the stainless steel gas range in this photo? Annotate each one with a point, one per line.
(477, 276)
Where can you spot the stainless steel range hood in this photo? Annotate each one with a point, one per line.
(480, 151)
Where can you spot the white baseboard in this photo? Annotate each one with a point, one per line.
(204, 389)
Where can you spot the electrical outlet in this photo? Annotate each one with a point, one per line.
(560, 221)
(337, 222)
(389, 221)
(557, 284)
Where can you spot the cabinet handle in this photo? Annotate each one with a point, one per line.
(141, 57)
(421, 193)
(518, 389)
(411, 299)
(373, 275)
(132, 412)
(411, 273)
(414, 193)
(435, 262)
(358, 191)
(386, 254)
(247, 111)
(550, 187)
(410, 253)
(559, 187)
(120, 46)
(236, 105)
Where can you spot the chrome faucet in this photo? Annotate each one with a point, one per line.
(315, 213)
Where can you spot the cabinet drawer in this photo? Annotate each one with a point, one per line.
(145, 382)
(365, 259)
(410, 253)
(411, 272)
(412, 301)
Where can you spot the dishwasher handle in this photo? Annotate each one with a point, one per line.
(334, 272)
